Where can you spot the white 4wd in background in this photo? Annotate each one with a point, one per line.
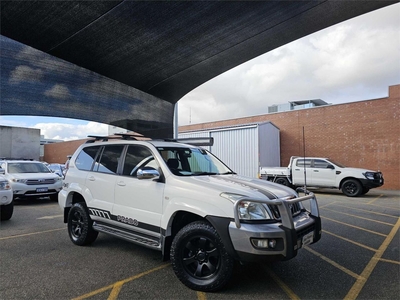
(324, 173)
(183, 201)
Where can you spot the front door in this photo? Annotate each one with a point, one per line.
(138, 202)
(322, 173)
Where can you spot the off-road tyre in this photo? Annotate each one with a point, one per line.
(283, 181)
(352, 188)
(364, 190)
(199, 258)
(80, 228)
(6, 211)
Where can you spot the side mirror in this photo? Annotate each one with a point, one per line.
(148, 173)
(331, 167)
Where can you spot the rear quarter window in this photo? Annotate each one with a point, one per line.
(86, 158)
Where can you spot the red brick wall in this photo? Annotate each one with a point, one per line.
(363, 134)
(58, 152)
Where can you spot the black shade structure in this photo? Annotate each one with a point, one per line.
(127, 63)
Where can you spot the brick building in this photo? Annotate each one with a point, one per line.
(363, 134)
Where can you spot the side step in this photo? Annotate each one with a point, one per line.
(148, 242)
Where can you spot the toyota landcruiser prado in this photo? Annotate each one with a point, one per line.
(182, 200)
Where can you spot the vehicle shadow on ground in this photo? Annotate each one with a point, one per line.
(33, 201)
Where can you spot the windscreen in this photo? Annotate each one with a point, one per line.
(27, 168)
(192, 162)
(336, 163)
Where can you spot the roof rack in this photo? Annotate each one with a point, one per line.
(132, 136)
(197, 141)
(194, 141)
(97, 138)
(122, 136)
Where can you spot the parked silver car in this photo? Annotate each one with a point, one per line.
(31, 179)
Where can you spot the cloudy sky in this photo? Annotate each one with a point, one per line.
(354, 60)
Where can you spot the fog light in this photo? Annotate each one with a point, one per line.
(264, 243)
(272, 243)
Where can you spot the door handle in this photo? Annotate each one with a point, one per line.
(121, 183)
(297, 169)
(316, 171)
(91, 178)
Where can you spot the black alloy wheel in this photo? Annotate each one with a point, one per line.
(352, 188)
(80, 228)
(283, 181)
(199, 258)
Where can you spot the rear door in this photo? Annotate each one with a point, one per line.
(301, 171)
(100, 180)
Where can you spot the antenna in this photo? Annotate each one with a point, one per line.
(304, 162)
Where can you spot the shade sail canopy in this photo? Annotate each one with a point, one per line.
(165, 49)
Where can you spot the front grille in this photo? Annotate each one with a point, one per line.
(39, 181)
(294, 208)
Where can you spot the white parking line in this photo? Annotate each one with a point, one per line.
(28, 234)
(50, 217)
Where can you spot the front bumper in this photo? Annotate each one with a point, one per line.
(6, 197)
(290, 233)
(288, 240)
(372, 183)
(24, 190)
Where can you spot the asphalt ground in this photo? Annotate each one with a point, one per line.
(357, 258)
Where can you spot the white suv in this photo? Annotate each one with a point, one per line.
(6, 198)
(182, 200)
(30, 179)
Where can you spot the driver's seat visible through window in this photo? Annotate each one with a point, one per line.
(173, 163)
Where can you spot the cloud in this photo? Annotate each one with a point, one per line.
(58, 91)
(67, 132)
(25, 74)
(354, 60)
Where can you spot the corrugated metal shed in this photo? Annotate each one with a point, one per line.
(244, 148)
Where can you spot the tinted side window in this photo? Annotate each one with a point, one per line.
(86, 157)
(321, 164)
(137, 156)
(107, 162)
(301, 162)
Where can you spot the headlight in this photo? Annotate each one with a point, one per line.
(248, 210)
(19, 180)
(369, 175)
(4, 185)
(252, 211)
